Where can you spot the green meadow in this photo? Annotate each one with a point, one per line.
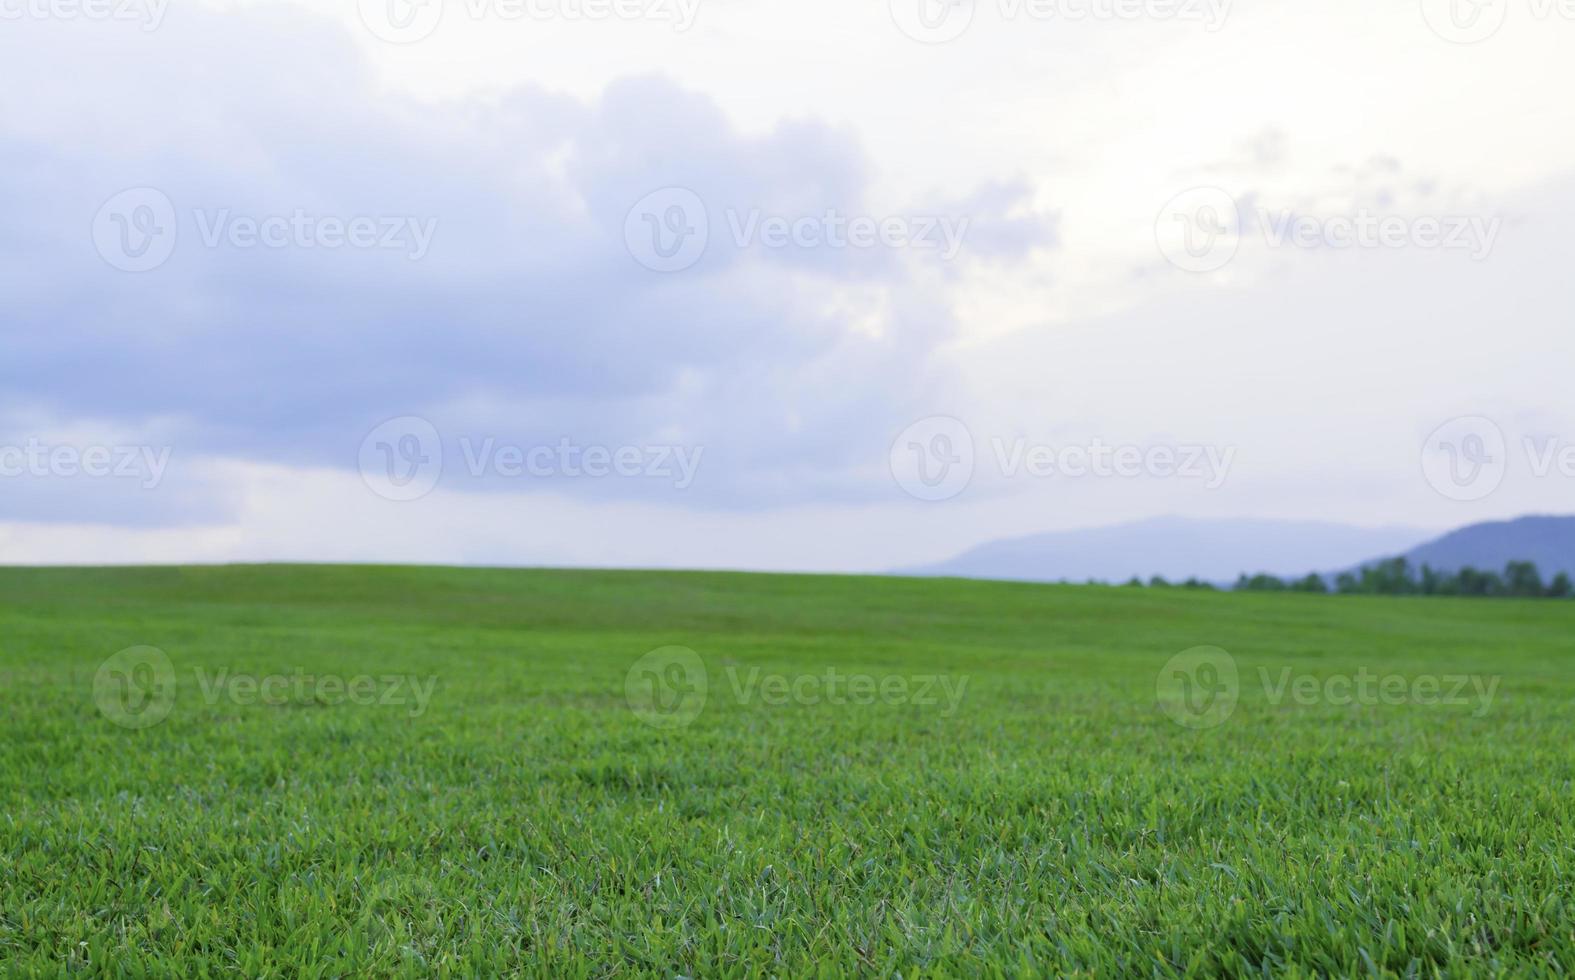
(322, 771)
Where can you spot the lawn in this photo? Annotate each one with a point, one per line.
(337, 771)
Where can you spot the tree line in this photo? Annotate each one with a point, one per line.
(1397, 576)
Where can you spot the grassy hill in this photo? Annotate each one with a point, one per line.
(276, 797)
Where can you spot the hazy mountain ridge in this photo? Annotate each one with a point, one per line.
(1547, 541)
(1219, 551)
(1177, 548)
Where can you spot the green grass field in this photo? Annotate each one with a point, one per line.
(894, 777)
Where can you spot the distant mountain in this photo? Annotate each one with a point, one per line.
(1178, 548)
(1547, 541)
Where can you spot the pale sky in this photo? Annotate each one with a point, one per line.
(1378, 212)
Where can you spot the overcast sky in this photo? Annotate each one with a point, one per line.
(818, 285)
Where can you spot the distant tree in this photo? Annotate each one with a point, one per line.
(1395, 576)
(1135, 583)
(1389, 577)
(1474, 582)
(1197, 583)
(1445, 583)
(1158, 582)
(1372, 580)
(1522, 580)
(1312, 583)
(1260, 583)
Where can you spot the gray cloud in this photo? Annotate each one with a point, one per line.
(527, 320)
